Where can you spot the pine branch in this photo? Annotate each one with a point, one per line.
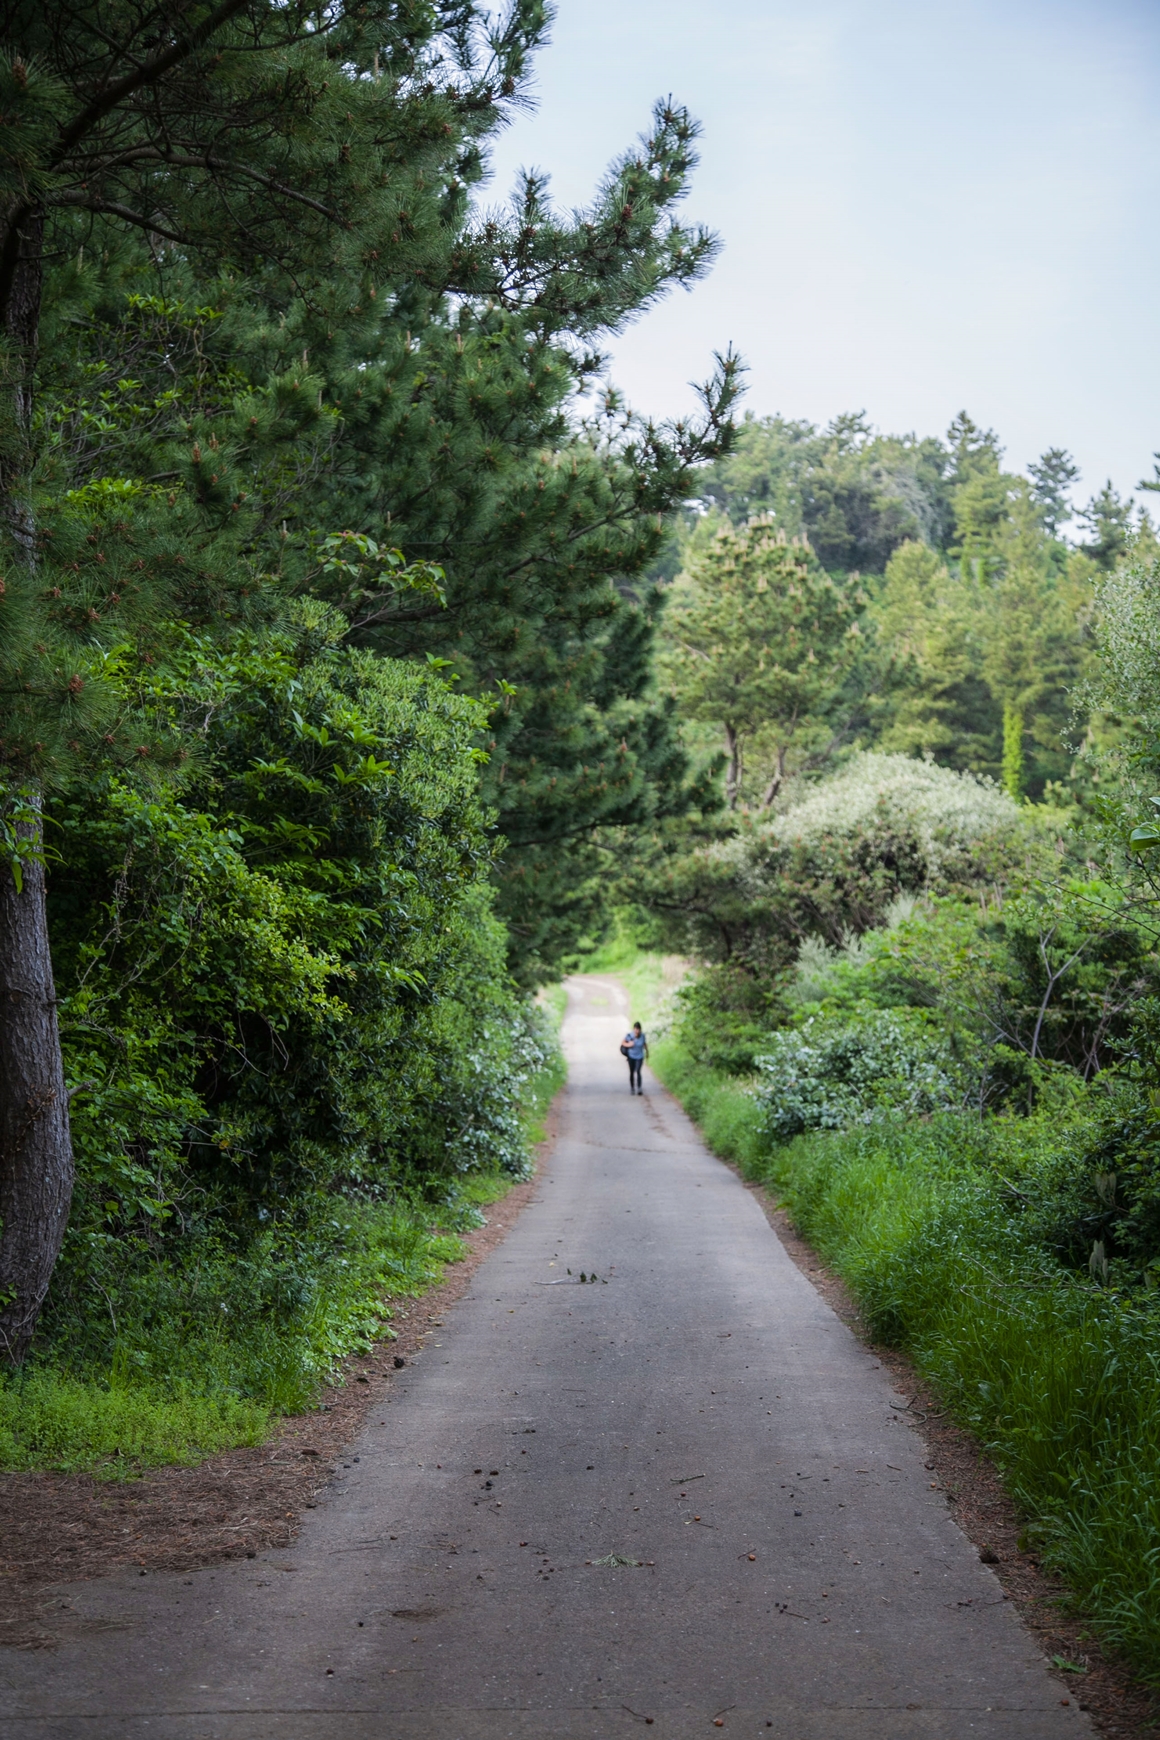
(147, 74)
(112, 208)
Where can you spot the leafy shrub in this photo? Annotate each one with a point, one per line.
(285, 975)
(943, 811)
(827, 1075)
(723, 1018)
(838, 859)
(286, 1006)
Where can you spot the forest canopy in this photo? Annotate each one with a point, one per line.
(970, 616)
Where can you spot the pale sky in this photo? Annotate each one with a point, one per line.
(924, 207)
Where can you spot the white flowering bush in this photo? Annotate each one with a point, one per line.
(942, 811)
(828, 1075)
(837, 855)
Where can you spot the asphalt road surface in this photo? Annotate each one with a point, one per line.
(645, 1478)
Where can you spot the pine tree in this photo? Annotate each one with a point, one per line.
(760, 637)
(1108, 519)
(448, 428)
(274, 140)
(1052, 476)
(937, 701)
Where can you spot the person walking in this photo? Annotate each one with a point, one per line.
(634, 1046)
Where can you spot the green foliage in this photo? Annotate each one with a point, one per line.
(1052, 476)
(916, 942)
(986, 662)
(309, 908)
(724, 1015)
(725, 1111)
(324, 636)
(163, 1345)
(897, 885)
(1108, 519)
(450, 392)
(759, 638)
(963, 1239)
(200, 1340)
(283, 997)
(830, 1074)
(853, 494)
(1013, 751)
(281, 174)
(982, 610)
(832, 860)
(50, 1420)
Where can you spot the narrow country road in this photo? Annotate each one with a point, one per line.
(696, 1411)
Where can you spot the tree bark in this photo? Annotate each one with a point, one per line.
(776, 782)
(36, 1159)
(21, 276)
(36, 1162)
(733, 771)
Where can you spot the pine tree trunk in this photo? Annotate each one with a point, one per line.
(775, 783)
(733, 771)
(36, 1163)
(21, 279)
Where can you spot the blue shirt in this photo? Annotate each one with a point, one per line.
(635, 1043)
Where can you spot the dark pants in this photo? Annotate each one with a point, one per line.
(634, 1064)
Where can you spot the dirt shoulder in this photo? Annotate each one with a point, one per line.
(58, 1528)
(1118, 1705)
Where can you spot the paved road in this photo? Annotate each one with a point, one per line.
(697, 1411)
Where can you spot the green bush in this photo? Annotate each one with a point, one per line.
(828, 1074)
(724, 1015)
(165, 1348)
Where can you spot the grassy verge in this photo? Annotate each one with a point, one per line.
(1059, 1378)
(722, 1108)
(210, 1351)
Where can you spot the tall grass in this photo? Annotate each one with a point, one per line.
(206, 1351)
(51, 1420)
(726, 1113)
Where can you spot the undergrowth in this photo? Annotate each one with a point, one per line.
(727, 1115)
(197, 1354)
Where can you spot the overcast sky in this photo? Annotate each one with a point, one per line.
(924, 206)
